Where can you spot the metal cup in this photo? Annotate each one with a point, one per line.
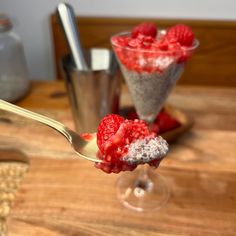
(93, 93)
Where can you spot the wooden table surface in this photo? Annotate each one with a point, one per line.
(64, 195)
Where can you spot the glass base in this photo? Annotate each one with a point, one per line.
(142, 190)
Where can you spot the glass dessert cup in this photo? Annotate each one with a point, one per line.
(143, 189)
(150, 76)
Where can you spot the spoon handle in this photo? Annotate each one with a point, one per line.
(35, 116)
(66, 16)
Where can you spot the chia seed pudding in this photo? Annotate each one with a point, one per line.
(150, 90)
(146, 150)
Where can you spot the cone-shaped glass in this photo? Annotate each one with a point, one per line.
(150, 74)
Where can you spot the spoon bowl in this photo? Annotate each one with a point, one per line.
(86, 149)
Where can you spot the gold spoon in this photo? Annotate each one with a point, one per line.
(85, 149)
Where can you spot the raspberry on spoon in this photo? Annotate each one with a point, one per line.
(124, 144)
(107, 128)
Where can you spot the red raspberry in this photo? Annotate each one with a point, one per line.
(182, 33)
(135, 129)
(165, 122)
(163, 44)
(146, 29)
(113, 138)
(115, 167)
(107, 128)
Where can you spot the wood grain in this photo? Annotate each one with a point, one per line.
(70, 197)
(213, 64)
(64, 195)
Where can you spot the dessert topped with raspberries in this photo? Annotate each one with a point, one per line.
(147, 49)
(151, 61)
(124, 144)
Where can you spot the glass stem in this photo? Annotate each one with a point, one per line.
(143, 181)
(143, 174)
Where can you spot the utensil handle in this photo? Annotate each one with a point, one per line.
(35, 116)
(66, 16)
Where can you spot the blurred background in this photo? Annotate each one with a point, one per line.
(31, 21)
